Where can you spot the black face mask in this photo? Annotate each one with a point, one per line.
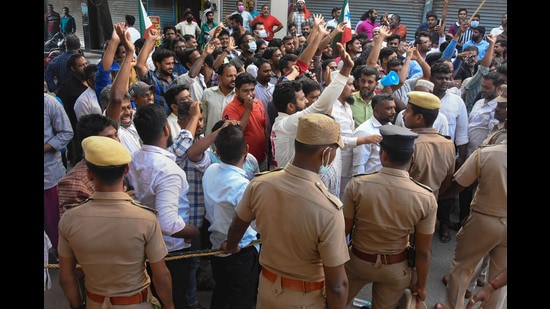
(189, 19)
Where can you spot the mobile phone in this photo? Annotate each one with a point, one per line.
(439, 22)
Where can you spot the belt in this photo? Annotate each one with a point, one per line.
(294, 284)
(384, 258)
(137, 298)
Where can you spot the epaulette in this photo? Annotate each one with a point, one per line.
(73, 205)
(331, 197)
(421, 184)
(267, 172)
(445, 136)
(145, 207)
(362, 174)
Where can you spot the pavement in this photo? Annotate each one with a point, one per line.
(442, 254)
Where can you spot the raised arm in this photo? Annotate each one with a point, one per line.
(319, 31)
(120, 83)
(109, 54)
(378, 39)
(141, 65)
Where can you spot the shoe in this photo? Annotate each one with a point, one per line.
(439, 306)
(445, 279)
(481, 283)
(468, 294)
(444, 233)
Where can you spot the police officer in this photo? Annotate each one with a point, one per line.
(301, 224)
(111, 236)
(383, 209)
(434, 158)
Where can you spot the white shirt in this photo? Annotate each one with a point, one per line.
(480, 122)
(129, 138)
(87, 103)
(175, 128)
(196, 85)
(188, 28)
(496, 31)
(453, 107)
(285, 126)
(343, 114)
(134, 34)
(366, 157)
(213, 103)
(161, 184)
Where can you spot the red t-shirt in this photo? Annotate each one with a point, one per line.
(255, 132)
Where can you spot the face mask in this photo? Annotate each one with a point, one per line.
(240, 8)
(305, 33)
(323, 169)
(252, 47)
(262, 33)
(474, 23)
(189, 19)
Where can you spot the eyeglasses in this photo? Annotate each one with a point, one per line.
(179, 47)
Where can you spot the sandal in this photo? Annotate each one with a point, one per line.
(444, 233)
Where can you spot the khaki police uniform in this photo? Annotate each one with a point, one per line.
(302, 228)
(485, 229)
(386, 207)
(111, 236)
(433, 159)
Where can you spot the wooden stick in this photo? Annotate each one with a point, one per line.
(477, 10)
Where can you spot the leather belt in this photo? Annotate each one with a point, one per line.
(384, 258)
(137, 298)
(293, 284)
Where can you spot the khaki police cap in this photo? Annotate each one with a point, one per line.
(105, 151)
(424, 99)
(318, 129)
(397, 137)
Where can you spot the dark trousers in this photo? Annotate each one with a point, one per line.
(237, 278)
(180, 269)
(444, 209)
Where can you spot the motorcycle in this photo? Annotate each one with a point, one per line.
(53, 47)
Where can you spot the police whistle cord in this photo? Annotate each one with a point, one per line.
(181, 255)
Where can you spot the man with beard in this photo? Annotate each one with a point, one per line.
(341, 112)
(366, 79)
(366, 158)
(478, 40)
(454, 109)
(369, 24)
(69, 91)
(290, 101)
(216, 98)
(469, 65)
(163, 76)
(206, 28)
(271, 24)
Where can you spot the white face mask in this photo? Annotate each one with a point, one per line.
(252, 47)
(262, 34)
